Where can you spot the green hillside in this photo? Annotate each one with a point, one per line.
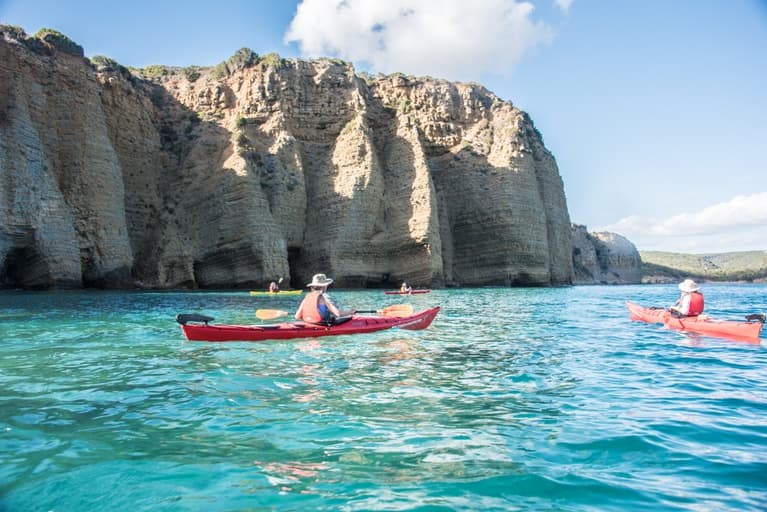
(658, 266)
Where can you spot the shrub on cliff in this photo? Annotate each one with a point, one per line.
(272, 60)
(13, 32)
(192, 73)
(103, 63)
(59, 41)
(220, 71)
(156, 71)
(242, 58)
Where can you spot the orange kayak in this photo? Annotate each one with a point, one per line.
(703, 324)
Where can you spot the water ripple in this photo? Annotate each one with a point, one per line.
(514, 399)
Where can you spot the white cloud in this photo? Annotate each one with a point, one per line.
(564, 5)
(449, 39)
(739, 224)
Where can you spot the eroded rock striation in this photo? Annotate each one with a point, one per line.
(604, 258)
(264, 167)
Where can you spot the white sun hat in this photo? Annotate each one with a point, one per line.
(319, 280)
(688, 286)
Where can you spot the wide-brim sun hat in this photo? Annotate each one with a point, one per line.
(319, 280)
(689, 286)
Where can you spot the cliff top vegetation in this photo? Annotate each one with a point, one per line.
(43, 40)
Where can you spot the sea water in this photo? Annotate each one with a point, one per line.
(513, 399)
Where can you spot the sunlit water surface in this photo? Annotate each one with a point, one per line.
(514, 399)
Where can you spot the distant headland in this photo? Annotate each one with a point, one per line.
(743, 266)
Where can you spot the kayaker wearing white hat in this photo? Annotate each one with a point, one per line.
(690, 302)
(317, 308)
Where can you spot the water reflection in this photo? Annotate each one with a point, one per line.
(292, 476)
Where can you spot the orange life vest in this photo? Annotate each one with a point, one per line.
(696, 304)
(311, 310)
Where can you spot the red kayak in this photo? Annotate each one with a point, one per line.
(411, 292)
(196, 327)
(702, 324)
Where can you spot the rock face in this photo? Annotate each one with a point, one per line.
(235, 175)
(604, 258)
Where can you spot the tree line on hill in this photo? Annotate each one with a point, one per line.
(748, 266)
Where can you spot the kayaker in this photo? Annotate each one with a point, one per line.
(405, 288)
(690, 302)
(274, 287)
(317, 308)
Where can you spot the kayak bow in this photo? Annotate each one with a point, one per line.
(197, 328)
(702, 324)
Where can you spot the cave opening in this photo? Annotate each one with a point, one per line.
(16, 267)
(294, 256)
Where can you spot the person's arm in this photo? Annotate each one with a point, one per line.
(300, 313)
(684, 308)
(331, 307)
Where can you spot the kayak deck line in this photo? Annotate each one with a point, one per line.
(195, 329)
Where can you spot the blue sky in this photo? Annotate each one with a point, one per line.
(655, 110)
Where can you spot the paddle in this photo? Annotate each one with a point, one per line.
(269, 314)
(395, 311)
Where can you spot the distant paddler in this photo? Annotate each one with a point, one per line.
(274, 289)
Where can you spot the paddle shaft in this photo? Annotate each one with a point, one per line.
(396, 310)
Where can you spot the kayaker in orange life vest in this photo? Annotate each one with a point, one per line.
(690, 302)
(316, 307)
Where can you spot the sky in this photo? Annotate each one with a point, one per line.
(655, 110)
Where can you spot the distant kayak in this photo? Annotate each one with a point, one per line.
(703, 324)
(281, 292)
(412, 292)
(197, 328)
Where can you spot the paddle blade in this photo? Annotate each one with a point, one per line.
(398, 310)
(270, 314)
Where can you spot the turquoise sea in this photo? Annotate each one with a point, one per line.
(514, 399)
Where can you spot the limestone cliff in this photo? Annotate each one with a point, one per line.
(604, 258)
(264, 167)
